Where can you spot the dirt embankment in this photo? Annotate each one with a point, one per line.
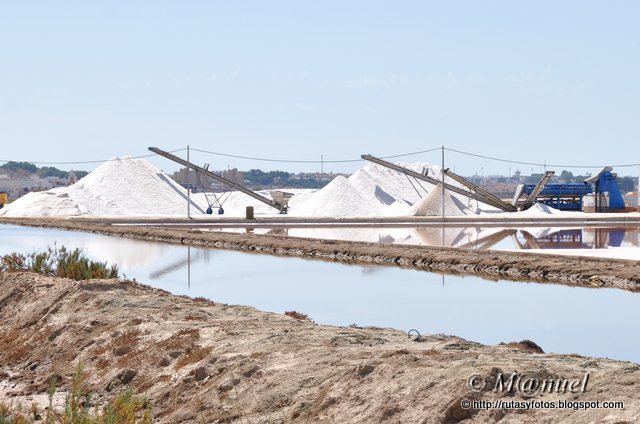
(203, 362)
(574, 271)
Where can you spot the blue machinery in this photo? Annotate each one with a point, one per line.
(602, 189)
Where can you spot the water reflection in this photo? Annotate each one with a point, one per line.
(498, 238)
(125, 252)
(559, 318)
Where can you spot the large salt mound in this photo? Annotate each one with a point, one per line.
(117, 187)
(431, 204)
(338, 199)
(396, 184)
(362, 181)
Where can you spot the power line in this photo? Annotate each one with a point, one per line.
(263, 159)
(273, 159)
(88, 161)
(410, 154)
(309, 161)
(539, 164)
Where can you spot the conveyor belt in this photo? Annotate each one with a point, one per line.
(537, 190)
(281, 207)
(500, 204)
(488, 197)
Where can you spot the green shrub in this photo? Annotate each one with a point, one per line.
(60, 262)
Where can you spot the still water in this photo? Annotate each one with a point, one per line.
(596, 322)
(613, 242)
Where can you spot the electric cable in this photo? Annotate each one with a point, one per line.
(89, 161)
(551, 165)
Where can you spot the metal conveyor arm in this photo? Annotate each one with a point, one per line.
(272, 203)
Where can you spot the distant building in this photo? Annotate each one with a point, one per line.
(234, 176)
(188, 178)
(17, 187)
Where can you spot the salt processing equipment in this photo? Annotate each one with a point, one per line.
(598, 193)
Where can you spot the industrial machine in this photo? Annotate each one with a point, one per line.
(4, 199)
(598, 193)
(279, 201)
(474, 192)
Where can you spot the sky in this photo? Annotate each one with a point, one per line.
(531, 81)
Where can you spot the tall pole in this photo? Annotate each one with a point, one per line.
(188, 187)
(322, 164)
(443, 219)
(442, 170)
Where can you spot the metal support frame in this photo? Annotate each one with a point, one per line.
(495, 201)
(281, 207)
(537, 190)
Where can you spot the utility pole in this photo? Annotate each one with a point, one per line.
(442, 170)
(322, 164)
(443, 214)
(188, 187)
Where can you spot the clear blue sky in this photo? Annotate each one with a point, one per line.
(524, 80)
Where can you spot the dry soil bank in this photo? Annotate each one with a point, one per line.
(198, 361)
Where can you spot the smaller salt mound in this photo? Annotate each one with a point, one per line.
(431, 204)
(540, 209)
(338, 199)
(52, 203)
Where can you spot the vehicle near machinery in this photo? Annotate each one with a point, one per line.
(4, 199)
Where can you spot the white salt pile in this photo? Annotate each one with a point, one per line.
(431, 204)
(133, 187)
(362, 181)
(118, 187)
(394, 183)
(339, 198)
(374, 190)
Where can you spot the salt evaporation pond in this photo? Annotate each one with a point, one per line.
(596, 322)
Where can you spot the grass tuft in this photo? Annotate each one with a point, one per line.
(125, 408)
